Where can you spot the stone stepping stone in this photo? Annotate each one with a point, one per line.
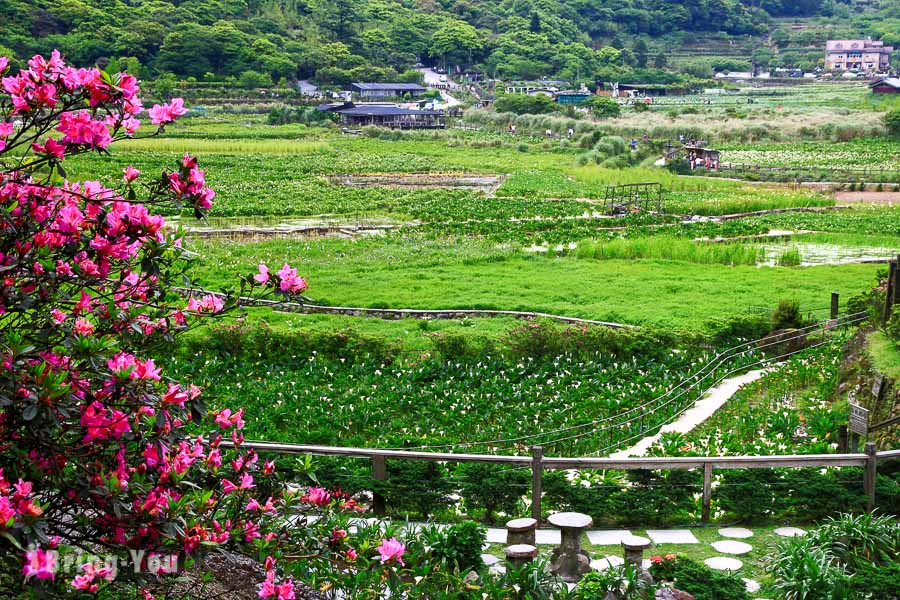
(547, 537)
(752, 586)
(496, 536)
(789, 531)
(489, 559)
(672, 536)
(740, 533)
(611, 537)
(732, 547)
(723, 563)
(603, 564)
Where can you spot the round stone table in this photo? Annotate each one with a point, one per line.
(521, 531)
(570, 562)
(518, 555)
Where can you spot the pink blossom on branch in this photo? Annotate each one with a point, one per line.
(391, 551)
(161, 114)
(130, 174)
(39, 564)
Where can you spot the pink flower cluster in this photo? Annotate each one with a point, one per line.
(40, 564)
(270, 589)
(189, 183)
(166, 113)
(209, 304)
(391, 551)
(80, 128)
(16, 501)
(86, 581)
(288, 280)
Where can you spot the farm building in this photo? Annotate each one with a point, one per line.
(382, 115)
(886, 85)
(857, 55)
(387, 90)
(572, 97)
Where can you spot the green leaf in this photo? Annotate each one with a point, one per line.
(30, 412)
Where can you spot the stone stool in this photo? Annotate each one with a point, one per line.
(519, 555)
(634, 546)
(570, 562)
(521, 531)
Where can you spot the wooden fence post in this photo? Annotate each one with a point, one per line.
(871, 470)
(891, 294)
(707, 491)
(379, 473)
(843, 439)
(537, 467)
(835, 303)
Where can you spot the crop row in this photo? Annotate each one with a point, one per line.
(364, 403)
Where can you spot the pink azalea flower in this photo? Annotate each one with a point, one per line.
(7, 511)
(350, 554)
(130, 174)
(290, 282)
(228, 487)
(166, 113)
(318, 495)
(40, 564)
(263, 275)
(392, 550)
(83, 326)
(4, 62)
(50, 148)
(58, 316)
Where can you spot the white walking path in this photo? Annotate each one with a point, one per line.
(700, 412)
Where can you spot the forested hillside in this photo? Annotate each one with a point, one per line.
(336, 41)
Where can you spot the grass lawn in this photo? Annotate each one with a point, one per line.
(885, 355)
(434, 275)
(763, 541)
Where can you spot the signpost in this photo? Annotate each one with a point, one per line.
(859, 425)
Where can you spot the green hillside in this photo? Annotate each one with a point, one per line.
(342, 40)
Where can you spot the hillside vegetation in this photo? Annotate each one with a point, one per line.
(340, 40)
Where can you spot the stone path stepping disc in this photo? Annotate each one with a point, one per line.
(489, 559)
(496, 536)
(672, 536)
(611, 537)
(752, 586)
(789, 531)
(732, 547)
(550, 537)
(723, 563)
(603, 564)
(741, 533)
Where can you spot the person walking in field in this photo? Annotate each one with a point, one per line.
(633, 144)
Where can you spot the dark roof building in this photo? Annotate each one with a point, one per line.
(393, 117)
(886, 85)
(383, 90)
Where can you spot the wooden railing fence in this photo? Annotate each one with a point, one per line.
(538, 463)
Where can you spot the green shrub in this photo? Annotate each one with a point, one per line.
(804, 571)
(748, 494)
(697, 579)
(419, 487)
(622, 583)
(603, 107)
(531, 581)
(878, 581)
(787, 315)
(493, 488)
(460, 546)
(892, 121)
